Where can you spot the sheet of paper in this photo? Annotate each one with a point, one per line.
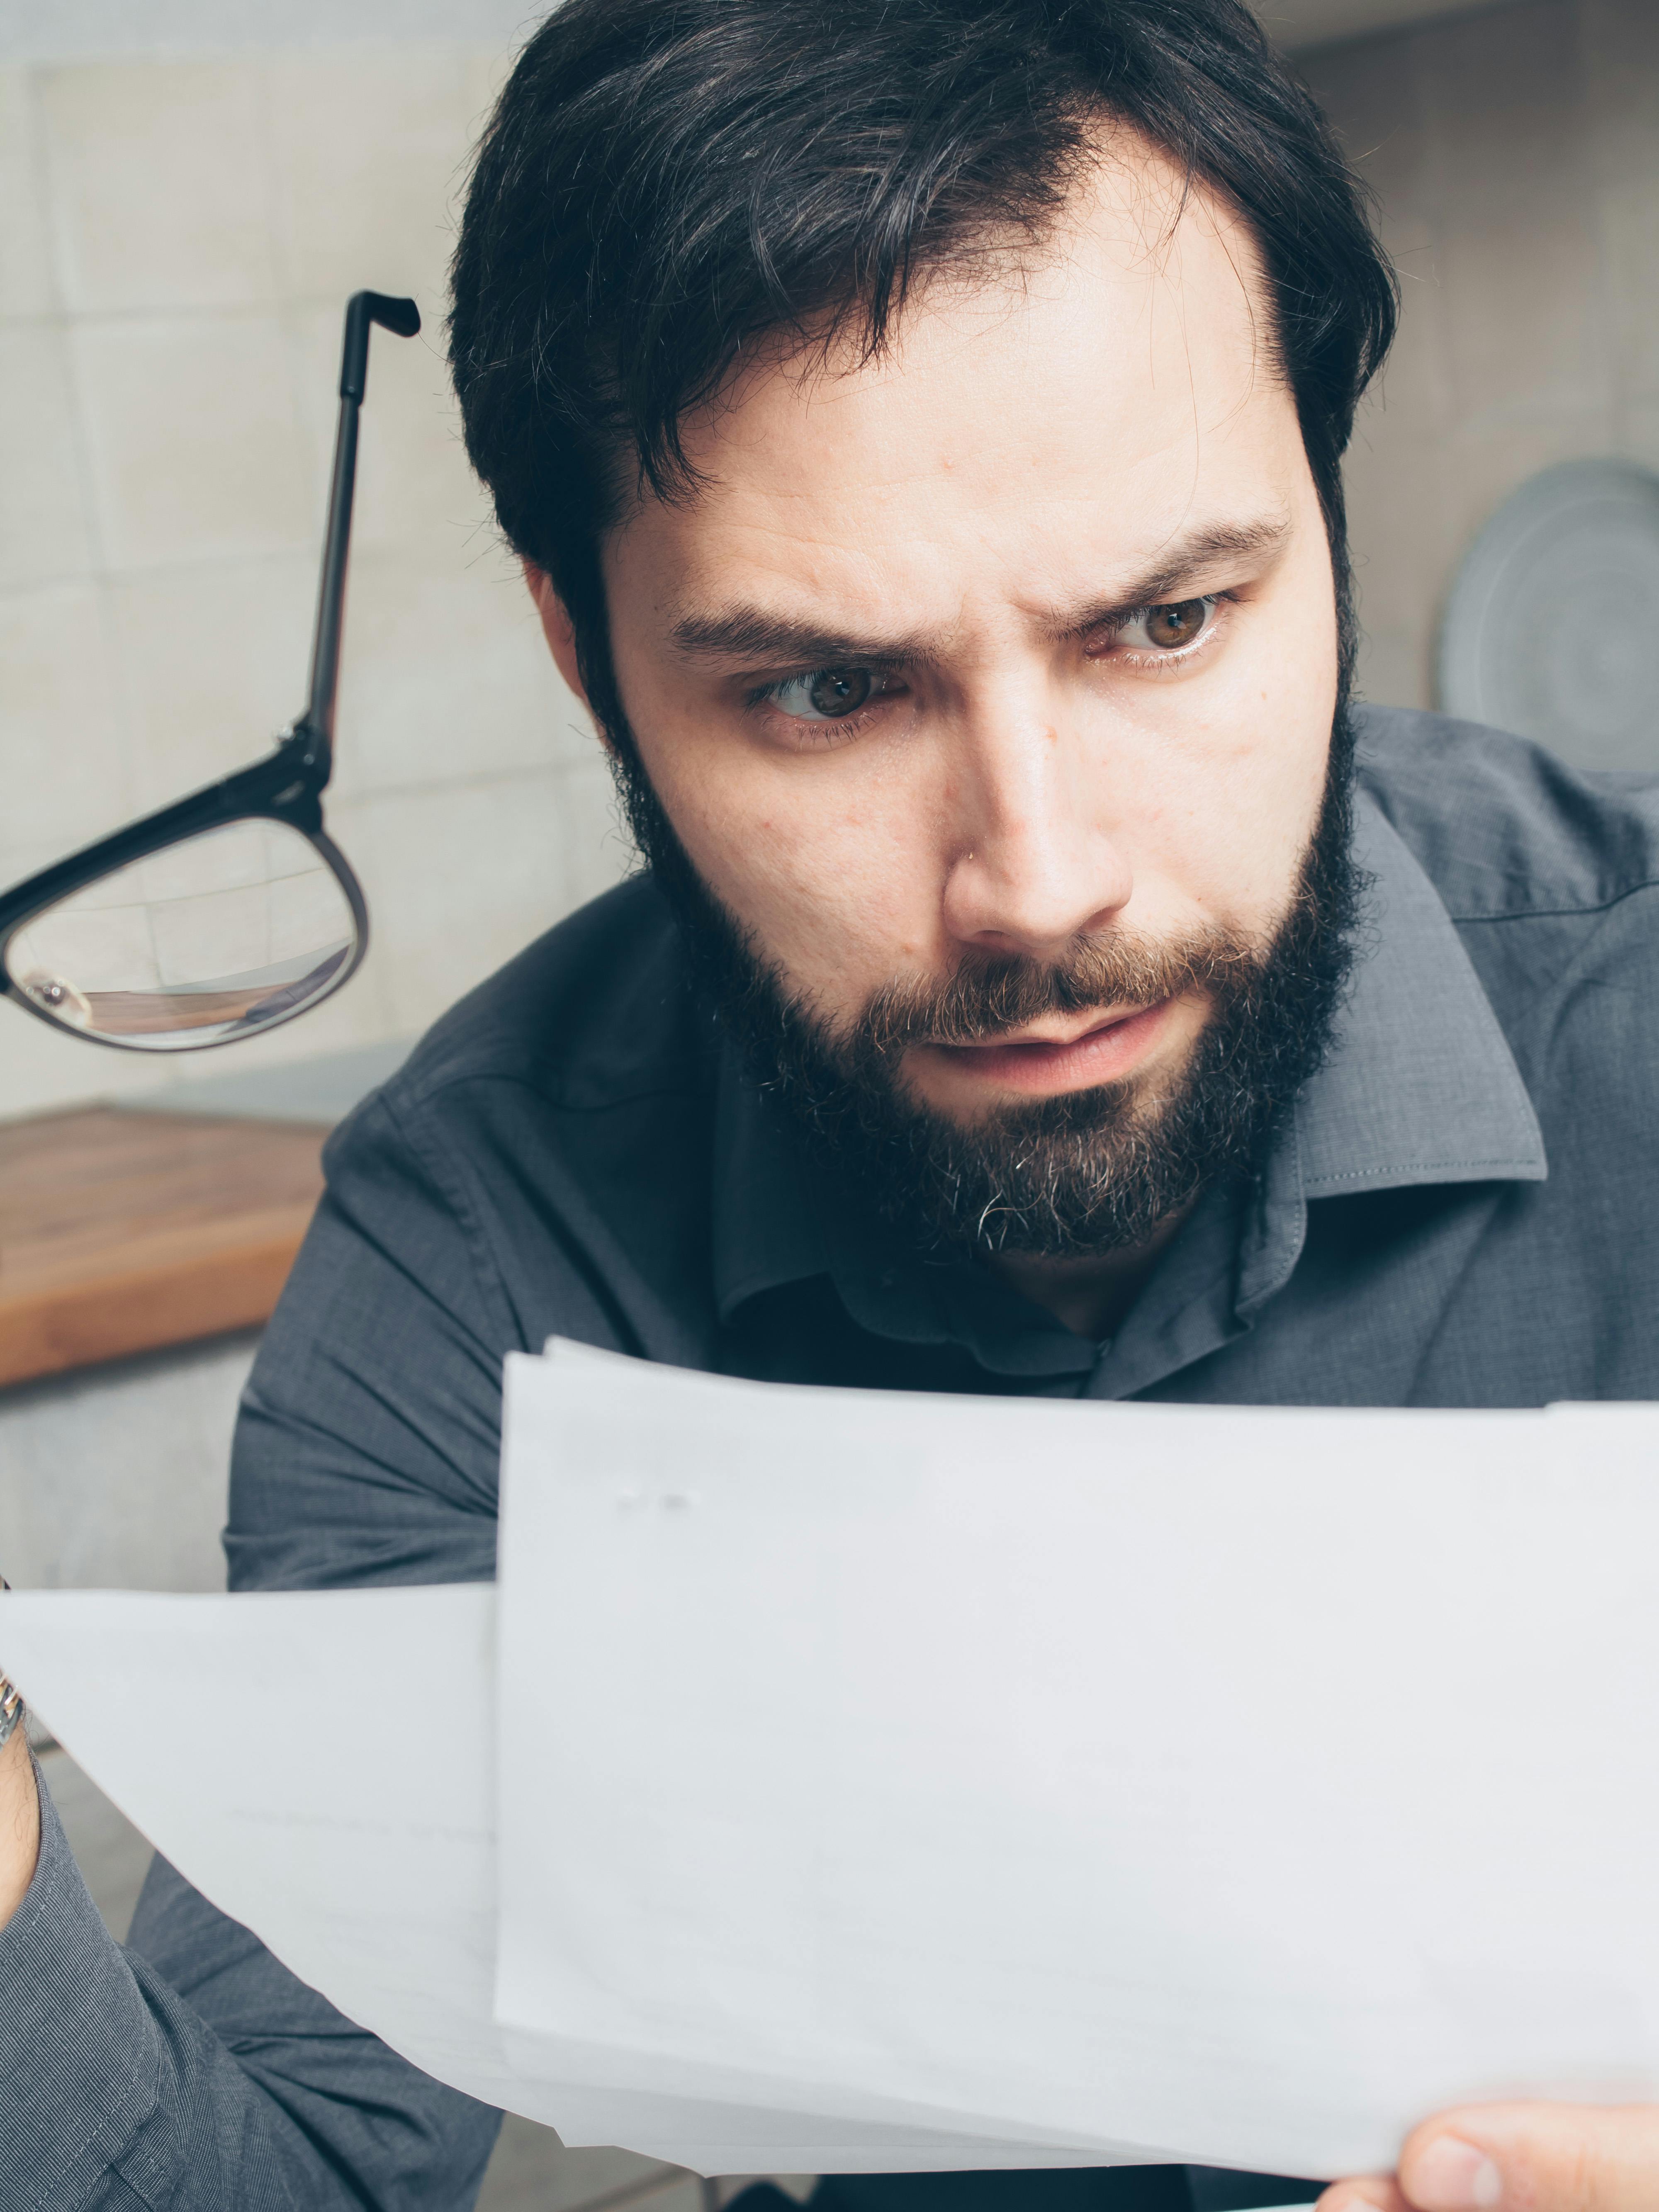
(1239, 1784)
(320, 1766)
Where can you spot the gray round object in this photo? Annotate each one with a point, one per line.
(1553, 626)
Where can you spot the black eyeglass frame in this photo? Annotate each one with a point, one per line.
(286, 786)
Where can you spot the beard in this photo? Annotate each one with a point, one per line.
(1086, 1173)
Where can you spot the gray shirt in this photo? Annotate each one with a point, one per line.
(1462, 1211)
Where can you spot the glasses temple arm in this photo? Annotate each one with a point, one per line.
(403, 317)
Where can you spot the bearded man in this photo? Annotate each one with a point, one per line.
(920, 422)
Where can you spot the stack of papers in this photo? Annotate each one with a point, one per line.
(850, 1781)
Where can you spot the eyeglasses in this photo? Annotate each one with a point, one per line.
(231, 911)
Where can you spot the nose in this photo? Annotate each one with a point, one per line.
(1030, 867)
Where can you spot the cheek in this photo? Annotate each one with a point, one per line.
(1253, 767)
(816, 858)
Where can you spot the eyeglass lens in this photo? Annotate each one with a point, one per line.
(216, 937)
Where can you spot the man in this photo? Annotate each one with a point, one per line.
(921, 426)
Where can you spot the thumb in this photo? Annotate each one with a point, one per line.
(1534, 2158)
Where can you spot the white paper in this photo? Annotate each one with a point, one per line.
(901, 1782)
(1238, 1784)
(320, 1766)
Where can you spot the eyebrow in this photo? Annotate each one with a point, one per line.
(1261, 542)
(753, 636)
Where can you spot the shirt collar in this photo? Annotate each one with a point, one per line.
(1419, 1086)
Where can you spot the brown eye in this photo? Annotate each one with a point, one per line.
(1179, 623)
(836, 691)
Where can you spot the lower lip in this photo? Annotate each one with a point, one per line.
(1040, 1071)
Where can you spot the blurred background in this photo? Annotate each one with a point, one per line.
(189, 191)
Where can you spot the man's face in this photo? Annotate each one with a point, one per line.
(1014, 646)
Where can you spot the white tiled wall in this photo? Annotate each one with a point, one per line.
(178, 239)
(1515, 155)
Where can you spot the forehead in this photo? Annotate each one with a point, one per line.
(1076, 404)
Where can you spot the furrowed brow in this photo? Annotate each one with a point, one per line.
(1251, 544)
(745, 635)
(751, 637)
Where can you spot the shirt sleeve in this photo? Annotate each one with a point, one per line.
(192, 2070)
(368, 1443)
(119, 2093)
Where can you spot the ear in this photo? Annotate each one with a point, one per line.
(556, 627)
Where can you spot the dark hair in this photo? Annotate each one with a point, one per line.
(665, 182)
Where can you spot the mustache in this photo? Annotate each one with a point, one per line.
(984, 997)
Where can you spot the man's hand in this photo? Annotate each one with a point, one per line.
(19, 1823)
(1518, 2158)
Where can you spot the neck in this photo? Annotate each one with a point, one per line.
(1090, 1295)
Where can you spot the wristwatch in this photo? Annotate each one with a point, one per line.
(11, 1702)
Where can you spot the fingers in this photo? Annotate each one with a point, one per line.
(1528, 2157)
(1367, 2192)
